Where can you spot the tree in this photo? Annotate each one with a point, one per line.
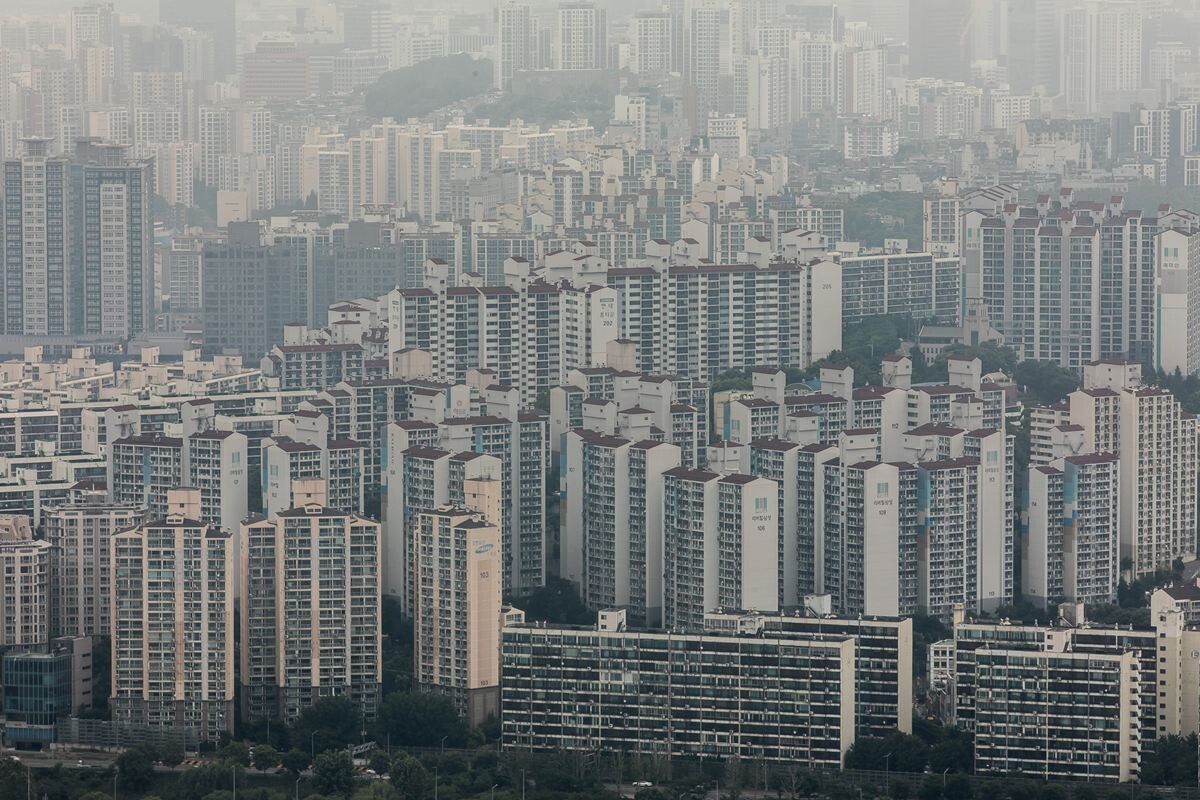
(431, 84)
(171, 754)
(235, 753)
(135, 768)
(417, 719)
(380, 763)
(265, 757)
(955, 752)
(377, 790)
(295, 761)
(409, 778)
(958, 787)
(556, 602)
(1170, 762)
(731, 380)
(333, 773)
(331, 723)
(653, 793)
(11, 771)
(1045, 382)
(898, 752)
(994, 357)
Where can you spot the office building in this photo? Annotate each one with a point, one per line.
(42, 685)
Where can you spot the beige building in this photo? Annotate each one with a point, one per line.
(310, 609)
(457, 619)
(172, 622)
(25, 597)
(80, 576)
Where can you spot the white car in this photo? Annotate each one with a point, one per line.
(642, 784)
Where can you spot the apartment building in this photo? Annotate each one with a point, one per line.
(310, 610)
(81, 534)
(610, 399)
(805, 713)
(427, 478)
(457, 622)
(720, 545)
(1154, 442)
(1063, 243)
(1057, 715)
(612, 538)
(143, 468)
(919, 285)
(25, 600)
(1071, 552)
(172, 623)
(882, 649)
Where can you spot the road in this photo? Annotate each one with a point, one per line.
(81, 759)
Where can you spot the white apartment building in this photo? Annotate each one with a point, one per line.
(611, 541)
(651, 46)
(1072, 550)
(720, 545)
(1155, 443)
(582, 36)
(421, 478)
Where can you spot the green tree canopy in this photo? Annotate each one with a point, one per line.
(416, 719)
(265, 757)
(333, 773)
(135, 768)
(331, 723)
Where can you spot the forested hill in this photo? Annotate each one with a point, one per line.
(417, 90)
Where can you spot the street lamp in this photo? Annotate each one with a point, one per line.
(297, 787)
(522, 784)
(312, 746)
(947, 769)
(442, 746)
(494, 785)
(887, 769)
